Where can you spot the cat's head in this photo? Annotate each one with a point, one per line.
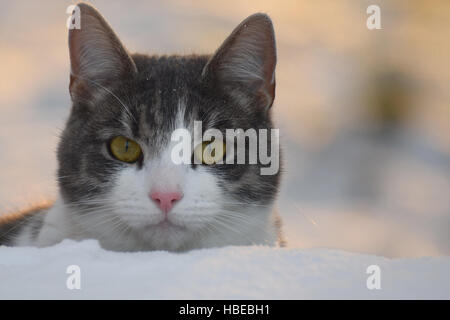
(115, 157)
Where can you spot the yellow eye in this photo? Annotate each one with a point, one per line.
(125, 149)
(210, 152)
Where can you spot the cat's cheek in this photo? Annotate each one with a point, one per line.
(129, 196)
(201, 201)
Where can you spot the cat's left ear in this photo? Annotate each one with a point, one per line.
(245, 62)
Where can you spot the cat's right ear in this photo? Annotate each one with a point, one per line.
(245, 62)
(97, 57)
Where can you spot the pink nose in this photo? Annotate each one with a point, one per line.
(165, 200)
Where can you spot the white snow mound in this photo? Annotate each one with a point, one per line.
(226, 273)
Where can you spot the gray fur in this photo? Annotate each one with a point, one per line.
(28, 222)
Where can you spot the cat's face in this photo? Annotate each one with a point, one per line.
(151, 201)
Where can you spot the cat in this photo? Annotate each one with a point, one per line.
(116, 180)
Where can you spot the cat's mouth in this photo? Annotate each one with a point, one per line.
(144, 222)
(167, 224)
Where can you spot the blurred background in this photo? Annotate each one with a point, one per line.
(364, 115)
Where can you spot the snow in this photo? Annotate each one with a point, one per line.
(254, 272)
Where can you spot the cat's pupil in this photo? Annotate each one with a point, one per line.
(126, 146)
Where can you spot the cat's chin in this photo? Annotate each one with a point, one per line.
(154, 224)
(165, 235)
(174, 222)
(168, 225)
